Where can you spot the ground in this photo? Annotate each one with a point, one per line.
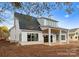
(8, 49)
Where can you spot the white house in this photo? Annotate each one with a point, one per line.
(30, 30)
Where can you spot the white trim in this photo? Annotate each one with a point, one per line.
(68, 37)
(60, 36)
(49, 34)
(54, 38)
(45, 22)
(24, 37)
(25, 30)
(64, 35)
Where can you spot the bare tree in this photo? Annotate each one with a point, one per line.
(37, 8)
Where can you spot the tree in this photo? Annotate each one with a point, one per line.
(37, 8)
(4, 28)
(40, 8)
(4, 32)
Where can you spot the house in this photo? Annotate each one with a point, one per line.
(32, 30)
(74, 34)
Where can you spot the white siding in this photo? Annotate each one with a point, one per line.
(65, 37)
(45, 22)
(41, 21)
(15, 32)
(54, 38)
(12, 35)
(24, 37)
(25, 42)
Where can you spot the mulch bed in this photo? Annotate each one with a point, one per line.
(8, 49)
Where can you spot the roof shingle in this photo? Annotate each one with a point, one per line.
(27, 22)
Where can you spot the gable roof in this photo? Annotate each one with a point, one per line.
(27, 22)
(73, 30)
(47, 19)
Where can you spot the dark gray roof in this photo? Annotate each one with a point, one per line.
(27, 22)
(48, 19)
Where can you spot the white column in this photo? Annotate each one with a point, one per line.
(60, 36)
(49, 35)
(68, 37)
(54, 38)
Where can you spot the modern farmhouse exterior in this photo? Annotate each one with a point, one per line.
(74, 34)
(32, 30)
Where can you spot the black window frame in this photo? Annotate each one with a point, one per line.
(33, 37)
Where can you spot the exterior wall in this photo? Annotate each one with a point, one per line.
(15, 32)
(54, 38)
(58, 41)
(65, 37)
(12, 35)
(21, 35)
(63, 32)
(45, 22)
(73, 38)
(24, 38)
(51, 23)
(41, 21)
(74, 35)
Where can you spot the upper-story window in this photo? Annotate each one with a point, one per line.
(76, 33)
(50, 23)
(47, 22)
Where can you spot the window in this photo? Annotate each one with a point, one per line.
(71, 37)
(76, 37)
(76, 33)
(29, 37)
(62, 37)
(32, 37)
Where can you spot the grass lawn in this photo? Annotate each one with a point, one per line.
(11, 49)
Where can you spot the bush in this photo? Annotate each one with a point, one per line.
(4, 32)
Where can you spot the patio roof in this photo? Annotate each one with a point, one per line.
(54, 29)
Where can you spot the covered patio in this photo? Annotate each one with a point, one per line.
(55, 35)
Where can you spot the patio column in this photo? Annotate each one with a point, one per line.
(60, 36)
(67, 36)
(49, 35)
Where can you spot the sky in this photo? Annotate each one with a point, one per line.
(68, 21)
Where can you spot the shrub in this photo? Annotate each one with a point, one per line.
(4, 32)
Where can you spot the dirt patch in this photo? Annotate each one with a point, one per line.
(12, 49)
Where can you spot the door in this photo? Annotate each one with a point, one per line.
(51, 38)
(46, 38)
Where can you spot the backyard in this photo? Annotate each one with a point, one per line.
(8, 49)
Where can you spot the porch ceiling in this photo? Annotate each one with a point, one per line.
(55, 30)
(52, 31)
